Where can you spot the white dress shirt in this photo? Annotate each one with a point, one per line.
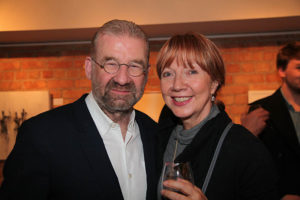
(126, 157)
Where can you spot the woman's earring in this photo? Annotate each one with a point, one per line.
(213, 98)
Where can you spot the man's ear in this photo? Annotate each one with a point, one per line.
(148, 68)
(88, 67)
(281, 73)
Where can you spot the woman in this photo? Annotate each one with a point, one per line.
(191, 72)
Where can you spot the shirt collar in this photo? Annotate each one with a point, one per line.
(100, 117)
(289, 106)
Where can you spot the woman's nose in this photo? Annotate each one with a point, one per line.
(178, 83)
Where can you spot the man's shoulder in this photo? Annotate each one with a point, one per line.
(57, 114)
(269, 100)
(145, 119)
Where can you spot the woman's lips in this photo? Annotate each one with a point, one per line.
(180, 101)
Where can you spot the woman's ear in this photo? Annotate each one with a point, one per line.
(214, 86)
(88, 67)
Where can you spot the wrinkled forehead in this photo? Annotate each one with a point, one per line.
(103, 38)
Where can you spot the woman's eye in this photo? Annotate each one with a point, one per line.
(165, 74)
(192, 71)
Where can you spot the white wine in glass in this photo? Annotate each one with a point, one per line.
(176, 170)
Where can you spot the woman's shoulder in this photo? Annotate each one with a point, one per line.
(245, 144)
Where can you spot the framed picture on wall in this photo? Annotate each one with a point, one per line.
(15, 107)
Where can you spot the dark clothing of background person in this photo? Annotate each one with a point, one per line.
(60, 155)
(280, 138)
(244, 168)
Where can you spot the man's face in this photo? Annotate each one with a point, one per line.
(291, 76)
(117, 92)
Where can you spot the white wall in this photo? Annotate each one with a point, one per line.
(18, 15)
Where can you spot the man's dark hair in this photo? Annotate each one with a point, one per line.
(287, 53)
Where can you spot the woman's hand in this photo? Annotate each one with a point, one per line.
(188, 190)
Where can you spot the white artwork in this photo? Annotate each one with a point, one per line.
(15, 107)
(254, 95)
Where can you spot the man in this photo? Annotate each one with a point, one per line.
(98, 147)
(276, 121)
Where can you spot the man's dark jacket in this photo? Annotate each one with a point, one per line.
(60, 155)
(281, 139)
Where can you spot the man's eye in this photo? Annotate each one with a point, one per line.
(111, 64)
(135, 66)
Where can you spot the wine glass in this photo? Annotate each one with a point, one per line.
(176, 170)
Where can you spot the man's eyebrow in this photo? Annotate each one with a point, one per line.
(138, 61)
(106, 58)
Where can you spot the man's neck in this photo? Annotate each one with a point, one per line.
(121, 118)
(292, 97)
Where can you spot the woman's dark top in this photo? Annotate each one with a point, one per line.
(244, 169)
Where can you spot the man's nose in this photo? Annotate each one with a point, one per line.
(122, 76)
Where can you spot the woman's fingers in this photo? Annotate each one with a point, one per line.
(185, 190)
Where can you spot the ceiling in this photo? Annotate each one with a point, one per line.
(212, 29)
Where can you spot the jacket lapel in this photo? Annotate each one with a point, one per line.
(94, 149)
(281, 119)
(147, 132)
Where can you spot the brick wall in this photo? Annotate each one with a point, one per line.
(250, 65)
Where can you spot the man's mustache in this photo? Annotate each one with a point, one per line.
(128, 87)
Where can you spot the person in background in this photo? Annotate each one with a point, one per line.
(192, 128)
(98, 147)
(276, 121)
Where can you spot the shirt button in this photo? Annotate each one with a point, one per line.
(130, 175)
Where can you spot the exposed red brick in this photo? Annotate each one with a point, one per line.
(34, 85)
(13, 65)
(237, 109)
(85, 83)
(248, 67)
(69, 84)
(59, 74)
(61, 71)
(263, 67)
(258, 55)
(10, 85)
(232, 68)
(60, 64)
(79, 64)
(21, 75)
(33, 64)
(248, 79)
(228, 79)
(7, 75)
(234, 89)
(56, 93)
(270, 56)
(47, 74)
(73, 74)
(74, 93)
(272, 78)
(264, 86)
(34, 74)
(227, 57)
(226, 99)
(241, 99)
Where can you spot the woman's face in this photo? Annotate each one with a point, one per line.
(187, 92)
